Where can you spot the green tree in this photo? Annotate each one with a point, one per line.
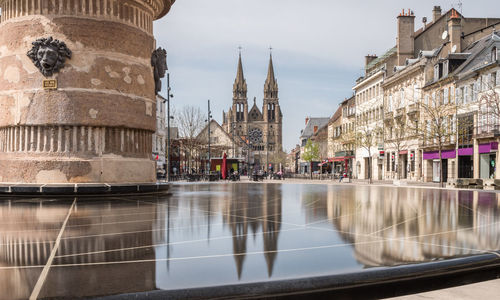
(311, 153)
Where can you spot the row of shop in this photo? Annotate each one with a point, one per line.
(415, 164)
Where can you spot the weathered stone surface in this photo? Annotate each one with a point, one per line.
(98, 125)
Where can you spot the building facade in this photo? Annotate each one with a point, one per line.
(159, 137)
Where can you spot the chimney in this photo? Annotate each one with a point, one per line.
(424, 21)
(406, 36)
(436, 13)
(455, 31)
(307, 120)
(369, 58)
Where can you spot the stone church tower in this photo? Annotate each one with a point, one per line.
(261, 128)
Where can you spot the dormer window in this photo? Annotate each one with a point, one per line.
(494, 56)
(436, 72)
(445, 68)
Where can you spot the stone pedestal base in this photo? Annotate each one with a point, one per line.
(60, 170)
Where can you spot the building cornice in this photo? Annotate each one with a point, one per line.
(403, 74)
(368, 80)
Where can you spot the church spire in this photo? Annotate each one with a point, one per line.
(240, 85)
(270, 86)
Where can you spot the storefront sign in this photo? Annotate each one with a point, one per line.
(487, 148)
(445, 154)
(465, 151)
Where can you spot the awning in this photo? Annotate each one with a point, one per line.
(403, 152)
(343, 158)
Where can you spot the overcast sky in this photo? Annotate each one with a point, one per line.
(318, 49)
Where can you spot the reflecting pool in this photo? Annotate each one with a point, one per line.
(217, 234)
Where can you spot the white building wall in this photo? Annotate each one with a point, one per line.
(369, 113)
(159, 137)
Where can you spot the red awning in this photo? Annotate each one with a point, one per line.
(403, 152)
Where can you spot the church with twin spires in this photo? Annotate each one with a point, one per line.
(262, 129)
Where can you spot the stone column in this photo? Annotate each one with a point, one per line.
(97, 125)
(475, 160)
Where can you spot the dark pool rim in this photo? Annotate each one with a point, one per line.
(81, 189)
(327, 283)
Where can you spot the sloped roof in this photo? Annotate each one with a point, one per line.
(381, 58)
(337, 114)
(477, 59)
(309, 129)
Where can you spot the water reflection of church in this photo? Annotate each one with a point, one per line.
(247, 216)
(397, 226)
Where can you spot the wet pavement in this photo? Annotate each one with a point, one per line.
(218, 234)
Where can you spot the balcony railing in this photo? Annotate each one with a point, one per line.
(412, 109)
(487, 131)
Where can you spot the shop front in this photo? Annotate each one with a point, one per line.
(343, 162)
(465, 162)
(438, 168)
(487, 160)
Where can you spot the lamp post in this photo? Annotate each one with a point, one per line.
(168, 127)
(208, 120)
(234, 128)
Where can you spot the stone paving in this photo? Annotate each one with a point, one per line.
(482, 290)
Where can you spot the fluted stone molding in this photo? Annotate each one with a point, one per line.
(97, 125)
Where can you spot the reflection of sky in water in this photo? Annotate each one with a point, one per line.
(252, 232)
(205, 235)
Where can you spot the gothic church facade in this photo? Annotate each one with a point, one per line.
(261, 129)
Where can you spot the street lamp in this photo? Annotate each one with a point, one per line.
(234, 128)
(168, 126)
(208, 120)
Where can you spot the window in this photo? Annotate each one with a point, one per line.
(445, 68)
(389, 103)
(436, 72)
(445, 100)
(475, 88)
(494, 56)
(493, 79)
(402, 95)
(466, 94)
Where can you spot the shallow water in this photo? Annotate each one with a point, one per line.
(216, 234)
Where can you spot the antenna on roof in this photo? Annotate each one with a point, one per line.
(444, 35)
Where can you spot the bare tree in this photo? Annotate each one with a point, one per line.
(397, 136)
(190, 120)
(367, 137)
(438, 125)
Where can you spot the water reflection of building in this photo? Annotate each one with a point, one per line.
(395, 226)
(244, 214)
(94, 233)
